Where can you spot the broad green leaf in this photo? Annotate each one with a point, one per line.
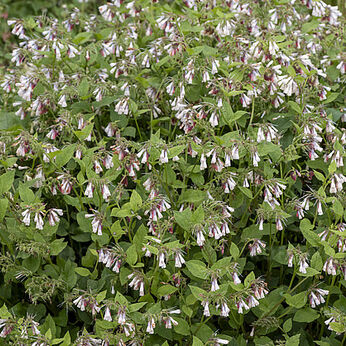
(6, 181)
(82, 271)
(306, 315)
(197, 268)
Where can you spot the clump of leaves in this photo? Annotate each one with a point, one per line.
(172, 173)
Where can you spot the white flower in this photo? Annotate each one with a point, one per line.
(62, 101)
(151, 325)
(164, 156)
(107, 315)
(162, 263)
(179, 260)
(26, 217)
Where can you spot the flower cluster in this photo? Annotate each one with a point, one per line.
(171, 169)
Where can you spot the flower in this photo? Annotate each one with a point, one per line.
(151, 325)
(53, 216)
(256, 247)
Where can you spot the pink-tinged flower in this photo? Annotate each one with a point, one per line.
(96, 222)
(319, 207)
(97, 167)
(111, 130)
(240, 305)
(53, 216)
(137, 282)
(52, 134)
(121, 315)
(66, 186)
(151, 325)
(107, 316)
(252, 301)
(105, 192)
(259, 288)
(200, 237)
(39, 220)
(80, 302)
(256, 247)
(106, 13)
(108, 161)
(6, 326)
(169, 322)
(255, 157)
(89, 191)
(303, 264)
(224, 309)
(330, 266)
(72, 51)
(316, 296)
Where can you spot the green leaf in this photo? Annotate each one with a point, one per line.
(6, 181)
(331, 97)
(83, 87)
(3, 207)
(250, 278)
(101, 296)
(193, 196)
(131, 255)
(166, 290)
(82, 37)
(65, 155)
(57, 246)
(66, 340)
(135, 200)
(183, 327)
(306, 315)
(338, 327)
(338, 208)
(293, 340)
(197, 268)
(197, 342)
(310, 236)
(4, 313)
(319, 176)
(247, 192)
(234, 251)
(316, 261)
(332, 167)
(82, 271)
(287, 326)
(297, 301)
(183, 218)
(295, 106)
(198, 293)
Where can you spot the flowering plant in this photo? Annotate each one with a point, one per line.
(172, 173)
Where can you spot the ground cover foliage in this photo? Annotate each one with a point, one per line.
(171, 173)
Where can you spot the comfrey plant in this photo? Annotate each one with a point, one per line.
(171, 173)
